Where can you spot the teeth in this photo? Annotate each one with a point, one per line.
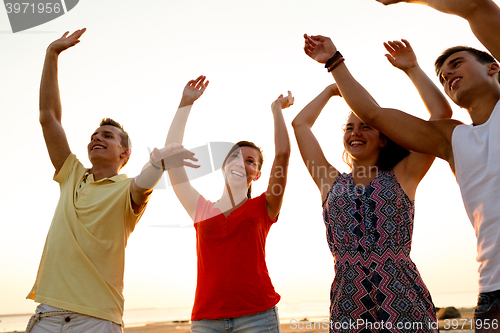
(452, 83)
(236, 173)
(353, 143)
(97, 147)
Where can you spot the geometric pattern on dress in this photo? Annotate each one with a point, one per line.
(369, 231)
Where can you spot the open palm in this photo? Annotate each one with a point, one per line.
(65, 42)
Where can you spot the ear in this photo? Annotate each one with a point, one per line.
(257, 176)
(383, 141)
(126, 153)
(493, 69)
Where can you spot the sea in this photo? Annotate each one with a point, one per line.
(139, 317)
(314, 311)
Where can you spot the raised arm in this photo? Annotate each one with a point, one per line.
(185, 192)
(430, 137)
(322, 172)
(483, 17)
(402, 56)
(171, 156)
(50, 101)
(413, 168)
(279, 170)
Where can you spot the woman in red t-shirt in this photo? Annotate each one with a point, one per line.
(233, 286)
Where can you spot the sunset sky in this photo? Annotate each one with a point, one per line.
(132, 65)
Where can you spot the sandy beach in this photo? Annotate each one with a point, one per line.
(462, 324)
(304, 325)
(285, 328)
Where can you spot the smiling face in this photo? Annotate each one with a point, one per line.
(242, 166)
(105, 146)
(463, 76)
(361, 141)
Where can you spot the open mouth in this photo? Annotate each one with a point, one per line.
(97, 147)
(454, 82)
(356, 143)
(238, 174)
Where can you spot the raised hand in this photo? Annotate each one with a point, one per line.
(335, 89)
(173, 155)
(319, 48)
(283, 102)
(401, 54)
(390, 2)
(65, 42)
(195, 88)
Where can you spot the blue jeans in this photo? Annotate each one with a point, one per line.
(487, 312)
(267, 321)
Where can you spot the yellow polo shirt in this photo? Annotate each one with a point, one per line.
(82, 263)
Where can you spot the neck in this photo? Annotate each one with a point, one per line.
(101, 172)
(233, 196)
(364, 173)
(481, 108)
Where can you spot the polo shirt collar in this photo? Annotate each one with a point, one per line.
(88, 177)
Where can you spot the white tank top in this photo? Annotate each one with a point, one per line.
(476, 150)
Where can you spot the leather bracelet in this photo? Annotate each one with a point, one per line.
(335, 64)
(330, 61)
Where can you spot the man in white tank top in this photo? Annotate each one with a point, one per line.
(470, 79)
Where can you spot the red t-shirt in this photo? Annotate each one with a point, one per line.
(233, 280)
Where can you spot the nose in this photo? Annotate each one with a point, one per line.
(355, 131)
(239, 162)
(446, 74)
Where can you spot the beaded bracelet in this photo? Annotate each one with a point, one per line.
(156, 166)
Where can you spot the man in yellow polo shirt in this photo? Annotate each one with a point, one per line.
(80, 278)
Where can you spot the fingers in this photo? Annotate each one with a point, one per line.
(393, 46)
(77, 34)
(387, 2)
(391, 59)
(199, 83)
(309, 43)
(388, 48)
(191, 165)
(291, 99)
(283, 101)
(318, 38)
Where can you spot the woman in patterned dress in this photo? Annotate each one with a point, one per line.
(369, 212)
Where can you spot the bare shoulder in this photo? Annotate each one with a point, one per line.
(445, 126)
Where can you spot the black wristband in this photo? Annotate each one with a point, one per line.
(330, 61)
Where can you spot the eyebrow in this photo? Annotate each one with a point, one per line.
(104, 132)
(451, 62)
(352, 124)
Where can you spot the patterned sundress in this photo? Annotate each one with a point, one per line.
(377, 287)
